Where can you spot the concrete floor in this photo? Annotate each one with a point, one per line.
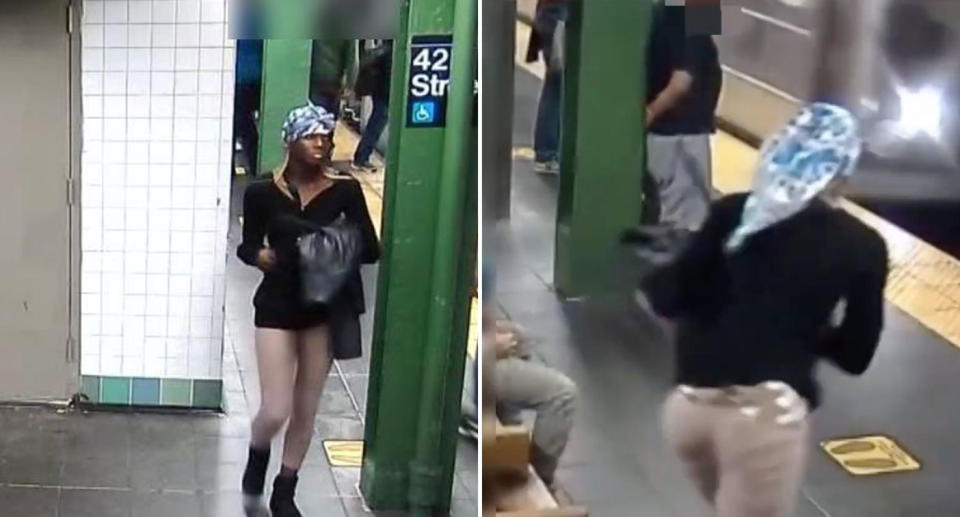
(616, 463)
(96, 464)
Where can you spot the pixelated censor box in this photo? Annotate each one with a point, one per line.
(314, 19)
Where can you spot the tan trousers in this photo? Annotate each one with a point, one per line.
(743, 465)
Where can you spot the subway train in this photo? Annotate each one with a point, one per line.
(894, 63)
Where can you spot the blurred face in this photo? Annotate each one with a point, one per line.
(312, 150)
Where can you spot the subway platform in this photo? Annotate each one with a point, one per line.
(617, 463)
(72, 463)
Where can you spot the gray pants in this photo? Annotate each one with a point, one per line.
(681, 169)
(525, 385)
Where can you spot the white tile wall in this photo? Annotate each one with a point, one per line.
(157, 83)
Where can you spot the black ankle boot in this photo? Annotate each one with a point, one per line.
(256, 471)
(281, 502)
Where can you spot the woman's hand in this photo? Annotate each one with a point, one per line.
(266, 259)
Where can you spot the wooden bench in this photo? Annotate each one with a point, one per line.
(517, 490)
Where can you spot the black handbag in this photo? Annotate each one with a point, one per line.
(328, 257)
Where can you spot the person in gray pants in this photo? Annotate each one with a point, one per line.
(522, 384)
(684, 81)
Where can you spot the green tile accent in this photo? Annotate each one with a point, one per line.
(115, 390)
(146, 392)
(91, 388)
(207, 394)
(176, 392)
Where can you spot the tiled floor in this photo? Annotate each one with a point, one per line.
(74, 464)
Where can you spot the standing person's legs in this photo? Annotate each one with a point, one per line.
(680, 168)
(762, 467)
(313, 365)
(276, 365)
(245, 125)
(524, 384)
(546, 136)
(697, 164)
(372, 131)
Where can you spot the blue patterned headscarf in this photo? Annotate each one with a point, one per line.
(305, 121)
(796, 164)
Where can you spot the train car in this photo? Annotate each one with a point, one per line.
(894, 63)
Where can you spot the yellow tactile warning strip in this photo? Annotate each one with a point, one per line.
(870, 455)
(345, 141)
(523, 153)
(344, 453)
(924, 281)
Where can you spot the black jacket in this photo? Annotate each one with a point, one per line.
(762, 313)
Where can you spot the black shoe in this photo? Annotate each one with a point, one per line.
(281, 501)
(256, 472)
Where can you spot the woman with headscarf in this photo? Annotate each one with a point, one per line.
(296, 341)
(755, 294)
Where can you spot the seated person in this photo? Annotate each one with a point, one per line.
(522, 384)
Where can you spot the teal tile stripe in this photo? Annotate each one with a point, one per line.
(176, 392)
(90, 386)
(115, 390)
(138, 391)
(146, 392)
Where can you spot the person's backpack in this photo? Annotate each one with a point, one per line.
(373, 74)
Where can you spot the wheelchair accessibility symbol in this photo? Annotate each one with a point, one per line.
(424, 112)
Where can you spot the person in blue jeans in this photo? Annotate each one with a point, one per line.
(374, 80)
(546, 133)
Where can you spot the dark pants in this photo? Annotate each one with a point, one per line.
(246, 103)
(546, 134)
(372, 130)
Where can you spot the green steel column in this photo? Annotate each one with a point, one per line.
(429, 238)
(286, 82)
(603, 140)
(427, 471)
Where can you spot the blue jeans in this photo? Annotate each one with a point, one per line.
(372, 131)
(546, 133)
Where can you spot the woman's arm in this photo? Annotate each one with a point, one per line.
(673, 289)
(358, 214)
(853, 345)
(254, 228)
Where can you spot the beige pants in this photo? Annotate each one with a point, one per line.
(743, 464)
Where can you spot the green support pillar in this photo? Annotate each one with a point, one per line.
(286, 83)
(603, 141)
(427, 269)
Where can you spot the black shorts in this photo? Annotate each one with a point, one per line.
(301, 319)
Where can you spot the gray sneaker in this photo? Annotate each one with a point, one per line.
(550, 167)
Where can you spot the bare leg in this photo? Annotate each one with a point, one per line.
(276, 363)
(313, 365)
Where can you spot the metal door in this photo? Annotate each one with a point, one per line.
(37, 362)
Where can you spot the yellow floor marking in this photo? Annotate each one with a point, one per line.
(344, 453)
(870, 455)
(924, 281)
(473, 335)
(523, 153)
